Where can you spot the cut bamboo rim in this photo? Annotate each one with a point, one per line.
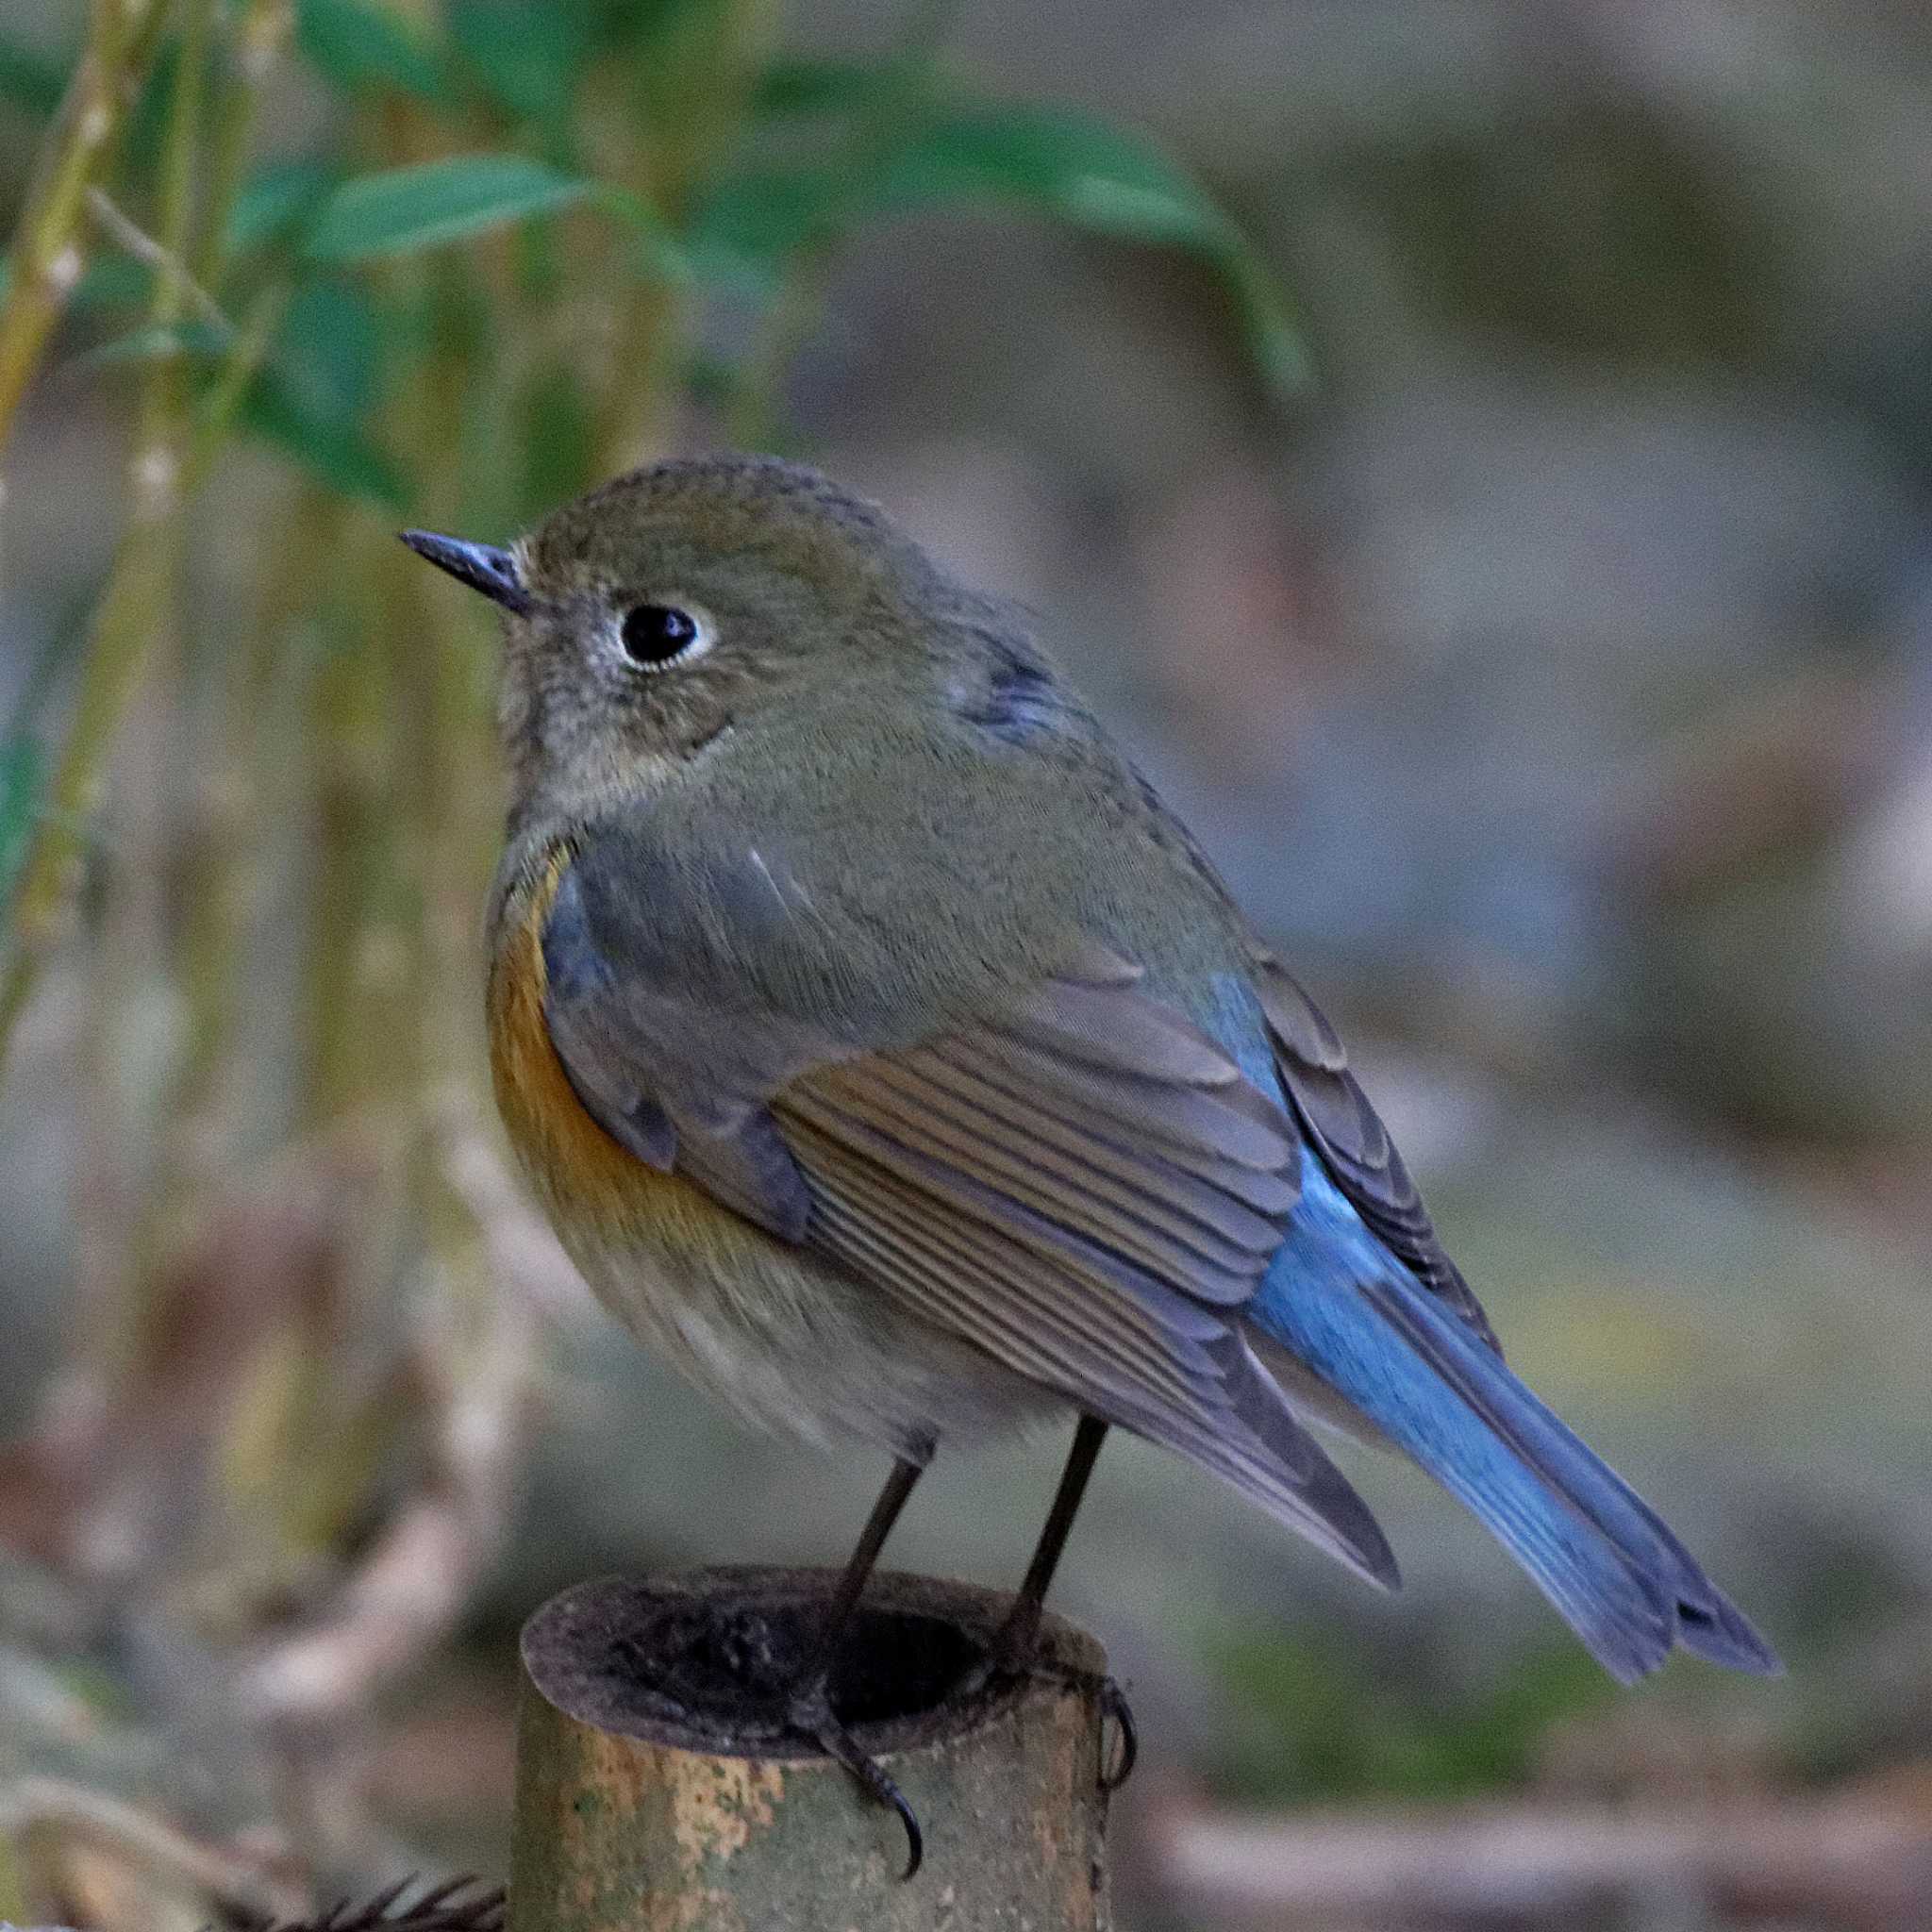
(658, 1792)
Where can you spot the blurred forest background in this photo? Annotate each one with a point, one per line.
(1477, 455)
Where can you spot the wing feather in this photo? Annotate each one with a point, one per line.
(1348, 1136)
(1133, 1204)
(1076, 1180)
(1201, 1392)
(1217, 1134)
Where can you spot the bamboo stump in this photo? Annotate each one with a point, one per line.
(657, 1792)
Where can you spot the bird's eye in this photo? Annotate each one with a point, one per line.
(659, 635)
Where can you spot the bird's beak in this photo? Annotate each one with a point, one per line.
(479, 565)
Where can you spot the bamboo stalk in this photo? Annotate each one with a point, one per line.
(173, 451)
(253, 53)
(130, 952)
(364, 984)
(49, 245)
(375, 984)
(221, 836)
(655, 1791)
(130, 965)
(254, 750)
(696, 90)
(115, 659)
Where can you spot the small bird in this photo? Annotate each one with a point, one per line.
(890, 1058)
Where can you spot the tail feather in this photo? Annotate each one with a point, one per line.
(1602, 1556)
(1703, 1619)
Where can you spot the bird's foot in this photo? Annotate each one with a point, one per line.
(1015, 1653)
(1118, 1755)
(809, 1713)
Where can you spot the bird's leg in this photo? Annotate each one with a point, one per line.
(1012, 1647)
(809, 1705)
(860, 1565)
(1017, 1636)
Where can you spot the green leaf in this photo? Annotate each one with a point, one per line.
(359, 46)
(200, 340)
(404, 209)
(276, 202)
(1103, 179)
(312, 399)
(32, 81)
(328, 351)
(112, 281)
(1274, 337)
(336, 452)
(1067, 164)
(108, 281)
(815, 86)
(529, 58)
(147, 118)
(658, 254)
(749, 224)
(22, 777)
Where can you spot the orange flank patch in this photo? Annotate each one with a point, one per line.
(599, 1195)
(570, 1158)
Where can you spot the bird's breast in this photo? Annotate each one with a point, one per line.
(784, 1335)
(604, 1202)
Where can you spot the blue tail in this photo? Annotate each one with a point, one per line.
(1340, 1303)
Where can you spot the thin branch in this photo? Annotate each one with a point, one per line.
(130, 236)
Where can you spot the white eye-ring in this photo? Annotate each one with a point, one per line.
(656, 636)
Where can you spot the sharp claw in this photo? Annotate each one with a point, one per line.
(811, 1713)
(835, 1741)
(999, 1661)
(1113, 1704)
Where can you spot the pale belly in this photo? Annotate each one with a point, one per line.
(789, 1338)
(797, 1345)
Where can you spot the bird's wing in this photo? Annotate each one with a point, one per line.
(1351, 1142)
(1075, 1180)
